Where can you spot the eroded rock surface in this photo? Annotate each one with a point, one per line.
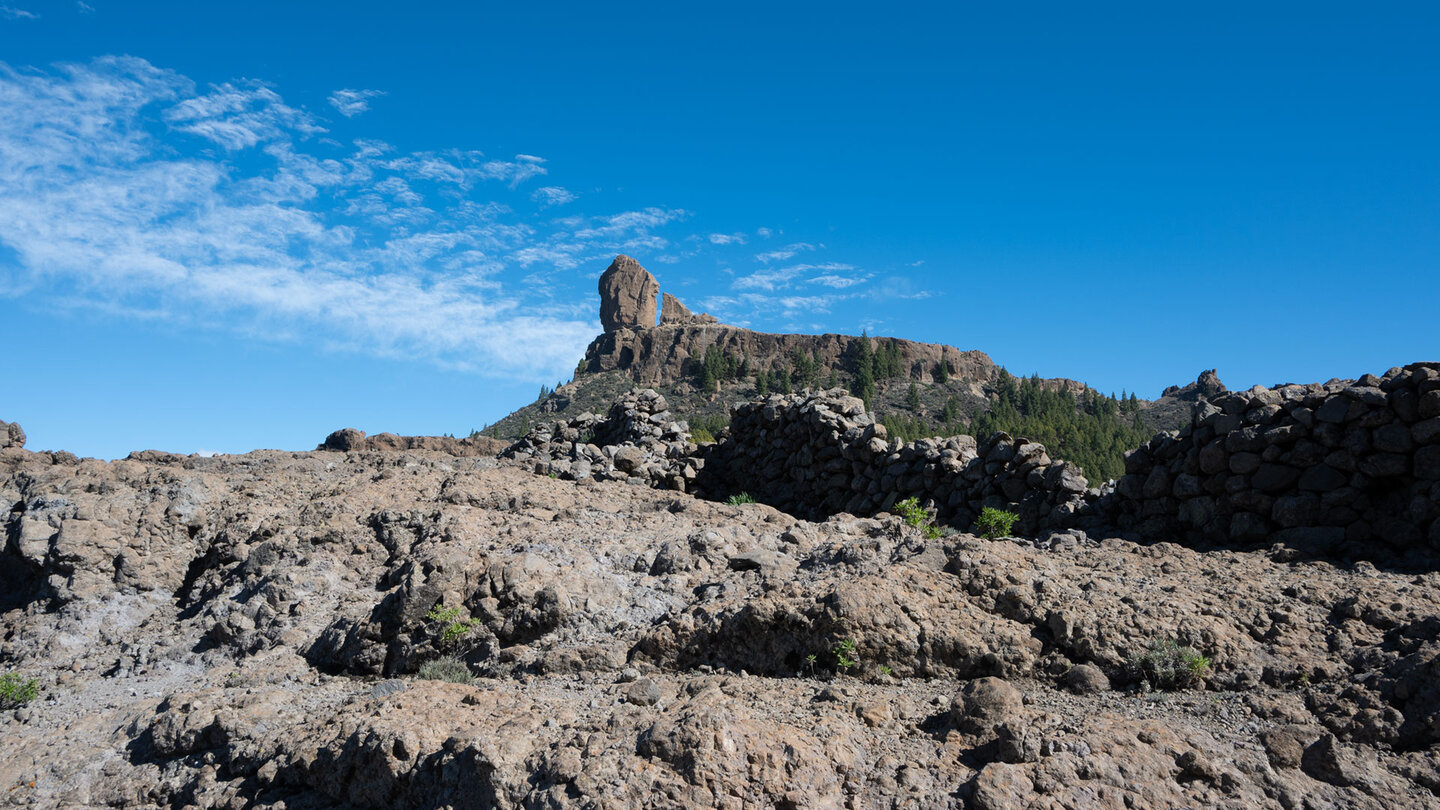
(245, 631)
(627, 295)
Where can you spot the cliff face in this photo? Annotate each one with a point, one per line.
(665, 354)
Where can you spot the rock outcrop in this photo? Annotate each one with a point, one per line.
(627, 295)
(246, 631)
(674, 313)
(672, 352)
(350, 440)
(1346, 468)
(11, 435)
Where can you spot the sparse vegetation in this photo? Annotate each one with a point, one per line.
(845, 655)
(16, 691)
(740, 498)
(452, 627)
(994, 523)
(1165, 664)
(447, 668)
(916, 515)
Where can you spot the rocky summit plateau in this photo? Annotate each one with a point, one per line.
(806, 612)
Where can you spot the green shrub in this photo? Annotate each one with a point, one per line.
(1166, 665)
(915, 515)
(741, 498)
(449, 669)
(16, 691)
(452, 627)
(995, 523)
(701, 436)
(845, 656)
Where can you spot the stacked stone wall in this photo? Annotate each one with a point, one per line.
(818, 453)
(1348, 468)
(637, 440)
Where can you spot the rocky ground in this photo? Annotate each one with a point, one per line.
(245, 631)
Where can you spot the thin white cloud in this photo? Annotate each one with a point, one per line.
(783, 277)
(839, 282)
(785, 253)
(549, 196)
(239, 116)
(351, 103)
(727, 239)
(85, 8)
(12, 13)
(113, 199)
(763, 233)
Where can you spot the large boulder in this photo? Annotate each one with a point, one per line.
(11, 435)
(627, 295)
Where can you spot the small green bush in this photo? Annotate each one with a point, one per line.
(915, 515)
(453, 628)
(702, 436)
(16, 691)
(449, 669)
(740, 498)
(1166, 665)
(995, 523)
(845, 656)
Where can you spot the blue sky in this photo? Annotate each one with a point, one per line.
(229, 226)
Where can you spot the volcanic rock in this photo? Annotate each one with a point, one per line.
(11, 435)
(627, 295)
(672, 312)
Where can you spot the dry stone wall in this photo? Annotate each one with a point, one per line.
(1348, 468)
(637, 440)
(818, 453)
(815, 454)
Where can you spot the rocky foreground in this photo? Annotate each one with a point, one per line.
(245, 631)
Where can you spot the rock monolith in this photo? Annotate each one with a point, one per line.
(627, 295)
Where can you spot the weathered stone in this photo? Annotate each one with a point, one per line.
(11, 435)
(674, 313)
(1274, 477)
(627, 295)
(1322, 478)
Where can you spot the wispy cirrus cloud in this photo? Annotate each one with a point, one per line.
(784, 254)
(239, 116)
(728, 239)
(112, 197)
(351, 103)
(12, 13)
(833, 274)
(549, 196)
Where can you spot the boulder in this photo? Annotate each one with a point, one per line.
(627, 295)
(11, 435)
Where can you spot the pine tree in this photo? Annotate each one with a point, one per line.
(782, 381)
(912, 398)
(863, 384)
(942, 371)
(951, 414)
